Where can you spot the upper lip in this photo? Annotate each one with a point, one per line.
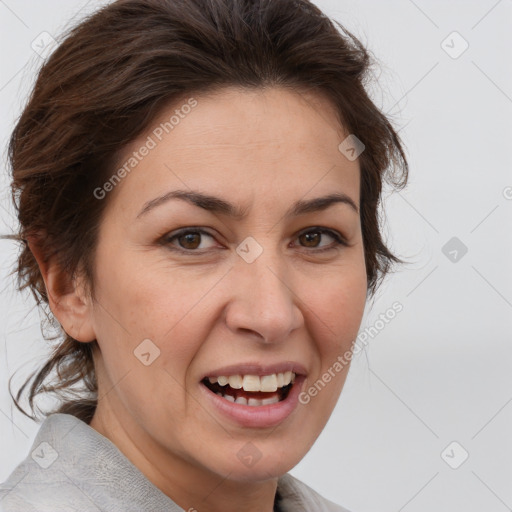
(257, 369)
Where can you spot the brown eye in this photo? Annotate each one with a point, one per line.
(190, 240)
(187, 240)
(311, 239)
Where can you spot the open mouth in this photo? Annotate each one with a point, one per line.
(252, 390)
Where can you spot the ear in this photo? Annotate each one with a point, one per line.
(66, 296)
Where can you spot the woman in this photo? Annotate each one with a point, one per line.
(197, 184)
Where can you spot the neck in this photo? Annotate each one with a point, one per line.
(190, 486)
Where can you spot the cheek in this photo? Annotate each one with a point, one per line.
(130, 305)
(162, 303)
(337, 308)
(336, 311)
(143, 293)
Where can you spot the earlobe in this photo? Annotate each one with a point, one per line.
(66, 296)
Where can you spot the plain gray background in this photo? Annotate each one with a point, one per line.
(440, 371)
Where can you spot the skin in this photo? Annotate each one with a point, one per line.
(263, 150)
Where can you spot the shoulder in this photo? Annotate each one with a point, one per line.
(71, 466)
(297, 496)
(41, 475)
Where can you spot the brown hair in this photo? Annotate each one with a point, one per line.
(107, 81)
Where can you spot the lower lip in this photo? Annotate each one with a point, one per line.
(257, 416)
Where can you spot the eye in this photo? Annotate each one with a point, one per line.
(190, 239)
(312, 236)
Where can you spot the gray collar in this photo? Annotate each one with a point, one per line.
(70, 462)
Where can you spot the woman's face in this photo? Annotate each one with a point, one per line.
(189, 296)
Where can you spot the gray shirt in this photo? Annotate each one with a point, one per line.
(71, 466)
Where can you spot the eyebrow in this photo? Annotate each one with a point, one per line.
(217, 205)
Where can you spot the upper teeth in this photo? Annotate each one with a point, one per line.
(255, 382)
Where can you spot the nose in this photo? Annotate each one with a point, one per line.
(263, 301)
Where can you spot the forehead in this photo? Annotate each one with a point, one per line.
(236, 142)
(243, 119)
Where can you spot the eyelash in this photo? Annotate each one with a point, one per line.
(167, 240)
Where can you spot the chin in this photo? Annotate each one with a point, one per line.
(260, 460)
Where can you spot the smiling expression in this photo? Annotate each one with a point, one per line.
(218, 251)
